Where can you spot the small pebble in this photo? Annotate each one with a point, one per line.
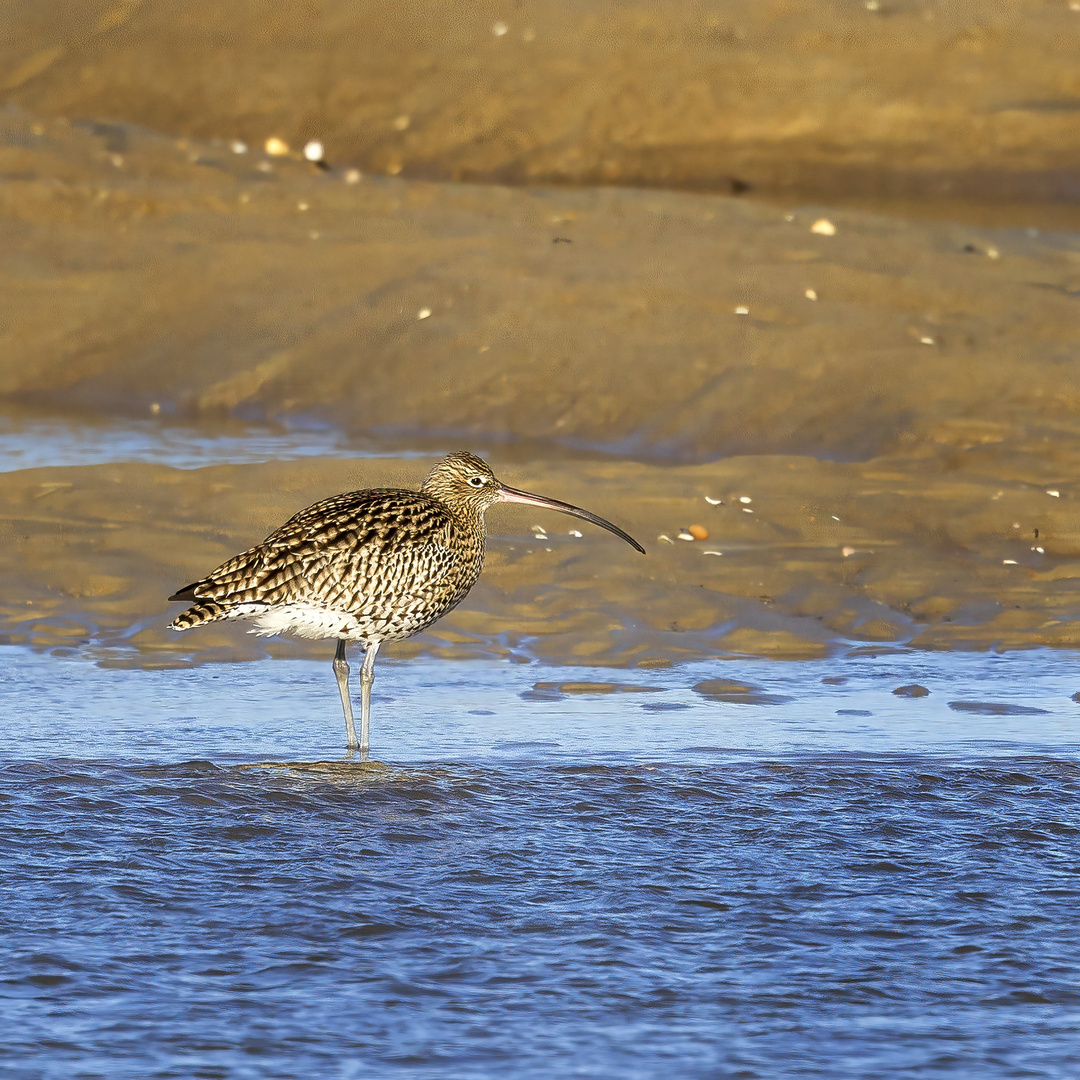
(847, 552)
(313, 150)
(353, 176)
(685, 535)
(1009, 562)
(740, 310)
(238, 147)
(926, 341)
(810, 294)
(745, 499)
(1055, 494)
(276, 147)
(714, 502)
(500, 29)
(424, 313)
(823, 227)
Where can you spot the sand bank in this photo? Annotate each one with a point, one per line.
(142, 276)
(890, 97)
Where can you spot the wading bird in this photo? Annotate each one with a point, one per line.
(367, 566)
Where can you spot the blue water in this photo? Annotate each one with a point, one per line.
(536, 880)
(30, 442)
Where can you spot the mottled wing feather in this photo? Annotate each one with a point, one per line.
(378, 549)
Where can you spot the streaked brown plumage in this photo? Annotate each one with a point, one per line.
(367, 566)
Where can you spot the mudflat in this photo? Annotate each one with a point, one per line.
(857, 376)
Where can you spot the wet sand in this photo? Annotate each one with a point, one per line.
(820, 556)
(886, 98)
(934, 359)
(179, 280)
(896, 395)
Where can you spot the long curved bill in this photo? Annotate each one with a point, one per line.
(509, 494)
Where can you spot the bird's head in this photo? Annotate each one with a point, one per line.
(463, 480)
(466, 483)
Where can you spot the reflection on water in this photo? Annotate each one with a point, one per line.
(574, 885)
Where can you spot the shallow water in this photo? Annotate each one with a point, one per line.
(544, 875)
(477, 712)
(34, 441)
(33, 444)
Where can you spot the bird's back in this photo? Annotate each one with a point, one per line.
(379, 564)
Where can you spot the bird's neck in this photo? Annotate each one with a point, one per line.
(469, 519)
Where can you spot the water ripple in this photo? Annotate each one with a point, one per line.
(758, 918)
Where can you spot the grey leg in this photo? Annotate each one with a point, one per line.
(341, 670)
(367, 677)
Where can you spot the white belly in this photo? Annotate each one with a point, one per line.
(303, 620)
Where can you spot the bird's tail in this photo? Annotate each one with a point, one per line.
(202, 611)
(224, 594)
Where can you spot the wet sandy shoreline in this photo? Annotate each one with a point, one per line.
(895, 392)
(895, 397)
(824, 556)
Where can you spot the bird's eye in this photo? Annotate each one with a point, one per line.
(476, 481)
